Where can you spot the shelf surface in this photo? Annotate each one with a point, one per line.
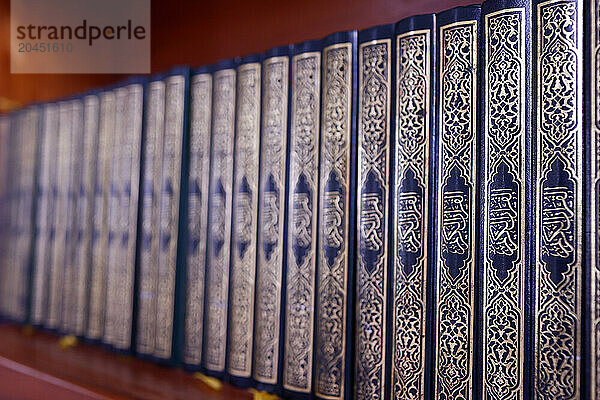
(33, 366)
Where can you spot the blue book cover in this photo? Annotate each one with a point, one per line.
(413, 206)
(303, 183)
(456, 185)
(503, 360)
(154, 130)
(123, 216)
(245, 221)
(272, 216)
(559, 193)
(375, 138)
(172, 214)
(45, 214)
(336, 219)
(197, 222)
(219, 217)
(103, 193)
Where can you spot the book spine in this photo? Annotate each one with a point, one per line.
(245, 216)
(219, 232)
(200, 142)
(68, 302)
(123, 218)
(5, 157)
(149, 245)
(271, 220)
(43, 247)
(100, 233)
(505, 51)
(591, 383)
(85, 202)
(171, 190)
(61, 217)
(116, 212)
(558, 108)
(412, 207)
(302, 222)
(375, 104)
(456, 205)
(26, 212)
(336, 235)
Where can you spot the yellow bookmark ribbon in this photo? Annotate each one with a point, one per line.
(67, 341)
(209, 381)
(262, 395)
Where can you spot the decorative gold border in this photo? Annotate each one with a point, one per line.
(370, 364)
(412, 151)
(558, 382)
(335, 156)
(459, 385)
(200, 140)
(245, 212)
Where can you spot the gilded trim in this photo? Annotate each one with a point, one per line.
(411, 213)
(199, 177)
(270, 218)
(149, 246)
(372, 196)
(245, 213)
(559, 208)
(331, 360)
(219, 230)
(457, 156)
(302, 235)
(504, 205)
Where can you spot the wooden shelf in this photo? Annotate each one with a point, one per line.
(34, 366)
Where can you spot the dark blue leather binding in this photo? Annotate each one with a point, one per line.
(301, 252)
(150, 194)
(245, 222)
(503, 357)
(119, 327)
(559, 195)
(45, 214)
(376, 71)
(272, 216)
(457, 186)
(413, 208)
(197, 211)
(590, 383)
(219, 217)
(336, 253)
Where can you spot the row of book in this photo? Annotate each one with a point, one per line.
(407, 212)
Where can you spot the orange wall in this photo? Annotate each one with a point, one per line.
(202, 32)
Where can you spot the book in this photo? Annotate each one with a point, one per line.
(44, 236)
(172, 214)
(559, 191)
(5, 200)
(102, 193)
(123, 216)
(23, 212)
(61, 217)
(591, 309)
(154, 130)
(413, 205)
(219, 214)
(505, 151)
(85, 203)
(245, 221)
(336, 218)
(69, 301)
(457, 169)
(272, 215)
(375, 138)
(303, 183)
(197, 223)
